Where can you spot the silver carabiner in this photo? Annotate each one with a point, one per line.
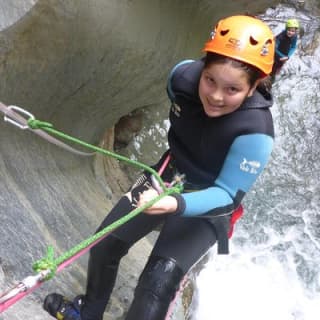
(24, 285)
(16, 122)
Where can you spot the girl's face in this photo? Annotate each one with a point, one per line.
(223, 88)
(291, 32)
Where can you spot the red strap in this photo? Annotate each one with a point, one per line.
(236, 215)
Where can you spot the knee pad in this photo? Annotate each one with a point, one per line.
(156, 288)
(161, 277)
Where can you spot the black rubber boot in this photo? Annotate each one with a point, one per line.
(102, 272)
(156, 288)
(61, 308)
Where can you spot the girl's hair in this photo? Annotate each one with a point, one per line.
(253, 73)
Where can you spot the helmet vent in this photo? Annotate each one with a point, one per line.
(265, 48)
(253, 41)
(224, 32)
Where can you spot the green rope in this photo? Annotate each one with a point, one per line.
(49, 262)
(37, 124)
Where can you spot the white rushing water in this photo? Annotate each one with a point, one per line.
(246, 286)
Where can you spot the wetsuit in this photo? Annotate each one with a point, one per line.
(221, 158)
(285, 47)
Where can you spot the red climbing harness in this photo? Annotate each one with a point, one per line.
(236, 215)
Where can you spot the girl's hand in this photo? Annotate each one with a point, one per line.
(166, 204)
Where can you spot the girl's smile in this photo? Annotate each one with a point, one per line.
(223, 88)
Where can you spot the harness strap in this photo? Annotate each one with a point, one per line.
(224, 229)
(221, 227)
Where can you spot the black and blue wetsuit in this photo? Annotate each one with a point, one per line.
(224, 155)
(285, 47)
(221, 158)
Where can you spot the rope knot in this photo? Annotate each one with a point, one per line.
(37, 124)
(46, 263)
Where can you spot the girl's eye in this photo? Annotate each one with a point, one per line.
(210, 80)
(232, 90)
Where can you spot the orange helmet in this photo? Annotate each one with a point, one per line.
(244, 38)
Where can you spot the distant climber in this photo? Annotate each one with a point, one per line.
(286, 44)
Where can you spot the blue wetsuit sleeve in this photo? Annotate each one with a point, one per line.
(245, 161)
(293, 46)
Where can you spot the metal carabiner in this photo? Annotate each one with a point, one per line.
(12, 292)
(178, 179)
(15, 122)
(24, 285)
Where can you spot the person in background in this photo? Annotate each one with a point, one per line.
(221, 137)
(286, 44)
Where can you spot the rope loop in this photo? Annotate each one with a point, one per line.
(49, 263)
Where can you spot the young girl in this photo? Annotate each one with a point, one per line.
(221, 137)
(286, 44)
